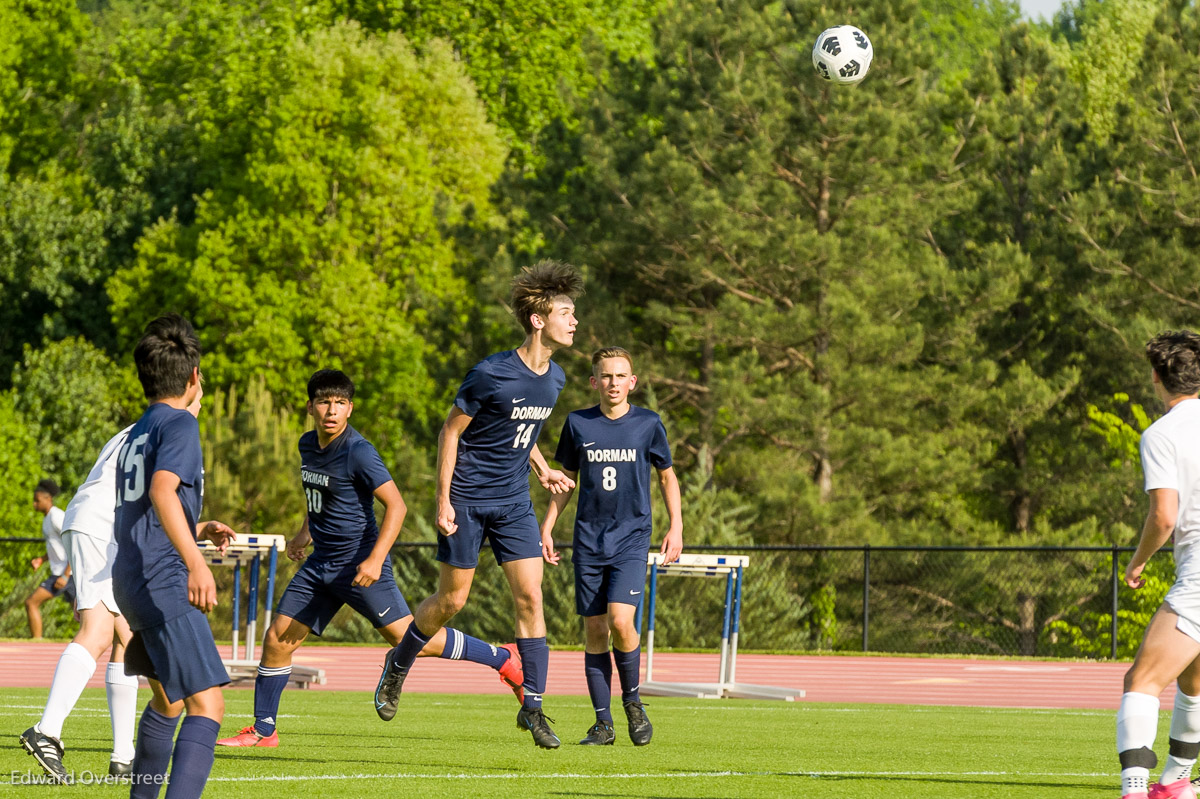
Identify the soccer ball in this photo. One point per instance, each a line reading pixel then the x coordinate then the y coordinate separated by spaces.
pixel 842 54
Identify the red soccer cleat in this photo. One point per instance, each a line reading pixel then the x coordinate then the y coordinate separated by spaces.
pixel 1180 789
pixel 511 673
pixel 248 736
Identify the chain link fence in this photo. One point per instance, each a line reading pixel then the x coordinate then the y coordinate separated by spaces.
pixel 1019 601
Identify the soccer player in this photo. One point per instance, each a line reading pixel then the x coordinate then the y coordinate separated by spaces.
pixel 342 475
pixel 485 450
pixel 1170 453
pixel 59 582
pixel 609 448
pixel 160 579
pixel 88 537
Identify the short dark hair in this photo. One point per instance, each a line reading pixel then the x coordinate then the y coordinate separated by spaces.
pixel 1175 357
pixel 611 352
pixel 534 290
pixel 166 356
pixel 326 383
pixel 48 487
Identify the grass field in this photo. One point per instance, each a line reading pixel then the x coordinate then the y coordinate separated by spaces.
pixel 448 746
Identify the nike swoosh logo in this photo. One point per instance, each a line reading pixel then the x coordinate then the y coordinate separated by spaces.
pixel 520 399
pixel 634 593
pixel 380 613
pixel 588 444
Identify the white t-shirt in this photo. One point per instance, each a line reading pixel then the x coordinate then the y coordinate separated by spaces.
pixel 1171 459
pixel 52 532
pixel 93 508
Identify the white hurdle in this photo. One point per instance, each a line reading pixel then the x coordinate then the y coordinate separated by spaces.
pixel 732 568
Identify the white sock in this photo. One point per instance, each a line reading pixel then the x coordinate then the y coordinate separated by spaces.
pixel 1137 724
pixel 1185 728
pixel 122 709
pixel 75 667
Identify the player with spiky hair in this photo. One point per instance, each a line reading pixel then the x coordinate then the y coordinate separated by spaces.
pixel 343 475
pixel 485 451
pixel 610 449
pixel 1170 650
pixel 160 579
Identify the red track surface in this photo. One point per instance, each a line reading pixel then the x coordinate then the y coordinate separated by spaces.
pixel 831 678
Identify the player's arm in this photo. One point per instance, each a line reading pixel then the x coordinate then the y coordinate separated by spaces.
pixel 455 425
pixel 202 589
pixel 299 543
pixel 558 503
pixel 672 543
pixel 394 511
pixel 552 480
pixel 1156 531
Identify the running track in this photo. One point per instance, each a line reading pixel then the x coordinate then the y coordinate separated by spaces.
pixel 826 678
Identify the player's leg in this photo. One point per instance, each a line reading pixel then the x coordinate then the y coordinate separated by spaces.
pixel 1165 653
pixel 306 606
pixel 454 586
pixel 1184 740
pixel 33 607
pixel 626 583
pixel 121 691
pixel 597 668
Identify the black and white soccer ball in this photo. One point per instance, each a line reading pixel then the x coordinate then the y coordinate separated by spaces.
pixel 842 54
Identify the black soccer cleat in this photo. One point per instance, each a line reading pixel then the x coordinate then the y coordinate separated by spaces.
pixel 601 734
pixel 640 729
pixel 120 771
pixel 48 752
pixel 534 720
pixel 387 693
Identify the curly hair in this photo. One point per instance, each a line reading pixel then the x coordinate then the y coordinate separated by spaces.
pixel 1175 358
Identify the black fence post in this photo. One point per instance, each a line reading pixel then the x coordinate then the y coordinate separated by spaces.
pixel 866 619
pixel 1116 586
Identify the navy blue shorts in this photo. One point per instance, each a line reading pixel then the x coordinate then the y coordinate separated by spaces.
pixel 597 585
pixel 67 592
pixel 180 653
pixel 319 589
pixel 512 530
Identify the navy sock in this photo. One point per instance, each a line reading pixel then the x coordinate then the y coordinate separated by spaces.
pixel 410 646
pixel 629 666
pixel 155 740
pixel 460 646
pixel 535 660
pixel 193 758
pixel 268 686
pixel 598 670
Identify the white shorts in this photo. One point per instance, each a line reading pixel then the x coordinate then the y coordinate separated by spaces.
pixel 1184 599
pixel 91 566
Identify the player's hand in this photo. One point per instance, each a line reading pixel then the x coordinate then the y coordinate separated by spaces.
pixel 36 563
pixel 1133 575
pixel 549 554
pixel 219 533
pixel 368 573
pixel 60 583
pixel 556 482
pixel 672 545
pixel 296 548
pixel 202 588
pixel 445 517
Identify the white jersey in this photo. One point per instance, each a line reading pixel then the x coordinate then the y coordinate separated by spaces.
pixel 52 532
pixel 93 508
pixel 1170 452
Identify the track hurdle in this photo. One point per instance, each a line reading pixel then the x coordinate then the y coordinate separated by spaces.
pixel 732 568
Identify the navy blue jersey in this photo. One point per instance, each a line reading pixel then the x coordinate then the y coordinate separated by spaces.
pixel 508 404
pixel 339 486
pixel 612 458
pixel 149 577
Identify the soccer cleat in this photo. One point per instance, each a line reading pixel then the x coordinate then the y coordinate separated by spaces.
pixel 48 752
pixel 534 720
pixel 511 673
pixel 248 736
pixel 119 770
pixel 601 734
pixel 387 693
pixel 1180 789
pixel 640 729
